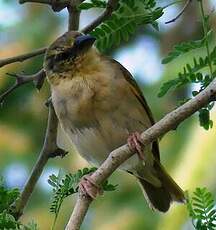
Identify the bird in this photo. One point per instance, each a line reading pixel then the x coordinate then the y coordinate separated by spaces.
pixel 100 107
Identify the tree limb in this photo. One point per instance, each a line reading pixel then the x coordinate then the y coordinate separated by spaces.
pixel 22 57
pixel 111 6
pixel 22 79
pixel 74 16
pixel 48 150
pixel 118 156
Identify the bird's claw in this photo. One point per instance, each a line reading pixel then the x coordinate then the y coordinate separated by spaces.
pixel 89 187
pixel 135 144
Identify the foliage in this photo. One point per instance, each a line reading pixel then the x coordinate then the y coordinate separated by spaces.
pixel 185 47
pixel 125 20
pixel 195 73
pixel 66 185
pixel 7 197
pixel 201 208
pixel 92 4
pixel 7 220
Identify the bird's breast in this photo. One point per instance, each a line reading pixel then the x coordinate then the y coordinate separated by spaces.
pixel 73 102
pixel 98 112
pixel 84 106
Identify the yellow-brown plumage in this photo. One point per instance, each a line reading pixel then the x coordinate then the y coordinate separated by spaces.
pixel 98 105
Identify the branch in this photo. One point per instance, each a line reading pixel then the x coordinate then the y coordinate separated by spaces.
pixel 111 6
pixel 118 156
pixel 74 15
pixel 48 150
pixel 22 79
pixel 181 12
pixel 22 57
pixel 58 5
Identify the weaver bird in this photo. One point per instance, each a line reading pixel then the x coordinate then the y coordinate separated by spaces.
pixel 100 107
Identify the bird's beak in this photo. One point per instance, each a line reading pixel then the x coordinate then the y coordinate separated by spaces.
pixel 84 42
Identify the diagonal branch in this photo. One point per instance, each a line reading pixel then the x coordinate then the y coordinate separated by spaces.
pixel 111 6
pixel 22 79
pixel 49 149
pixel 118 156
pixel 22 57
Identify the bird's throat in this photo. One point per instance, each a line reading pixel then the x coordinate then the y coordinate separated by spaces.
pixel 84 65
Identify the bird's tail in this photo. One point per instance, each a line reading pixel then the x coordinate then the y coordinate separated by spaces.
pixel 160 197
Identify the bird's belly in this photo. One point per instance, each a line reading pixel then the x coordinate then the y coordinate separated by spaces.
pixel 95 148
pixel 97 125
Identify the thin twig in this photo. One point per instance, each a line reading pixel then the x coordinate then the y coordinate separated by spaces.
pixel 111 6
pixel 181 12
pixel 49 149
pixel 22 57
pixel 22 79
pixel 118 156
pixel 39 80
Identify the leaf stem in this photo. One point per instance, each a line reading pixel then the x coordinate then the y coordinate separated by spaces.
pixel 54 222
pixel 205 30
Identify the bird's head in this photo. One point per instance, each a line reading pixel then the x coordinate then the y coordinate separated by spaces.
pixel 68 48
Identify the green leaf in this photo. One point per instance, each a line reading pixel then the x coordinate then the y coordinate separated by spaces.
pixel 7 221
pixel 192 74
pixel 7 197
pixel 204 118
pixel 108 187
pixel 201 209
pixel 155 25
pixel 124 22
pixel 85 6
pixel 67 185
pixel 171 84
pixel 185 47
pixel 92 4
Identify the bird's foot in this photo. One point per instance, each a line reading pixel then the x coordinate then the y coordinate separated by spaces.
pixel 89 187
pixel 135 144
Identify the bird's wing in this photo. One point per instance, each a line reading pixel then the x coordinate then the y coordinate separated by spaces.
pixel 137 92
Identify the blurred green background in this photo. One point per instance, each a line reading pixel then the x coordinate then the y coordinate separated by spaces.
pixel 188 153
